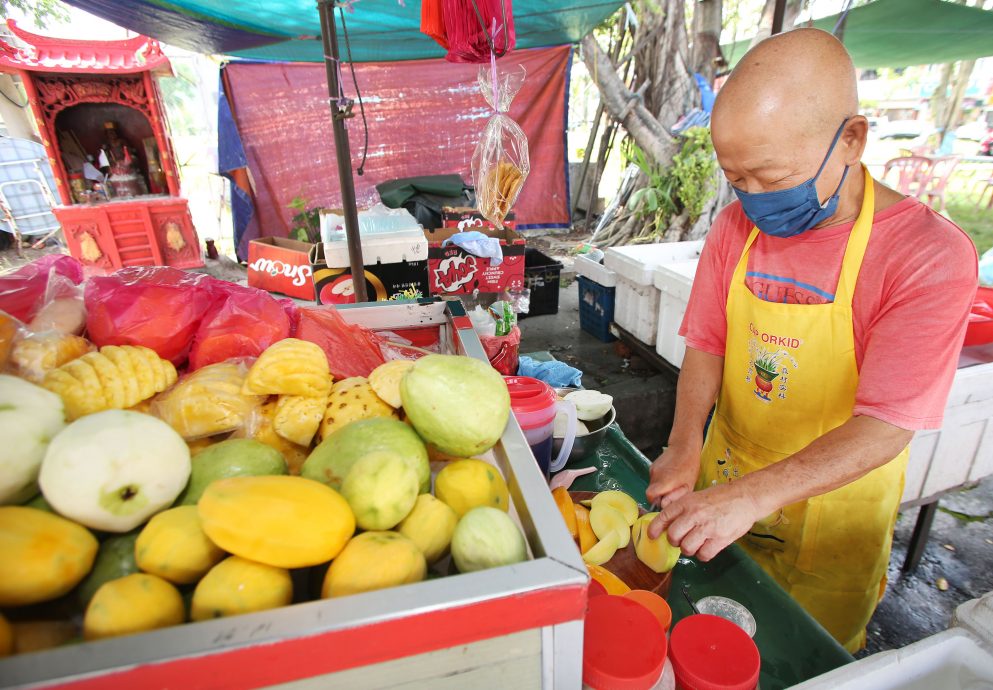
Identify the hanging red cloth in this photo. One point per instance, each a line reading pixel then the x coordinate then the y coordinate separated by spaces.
pixel 469 28
pixel 433 21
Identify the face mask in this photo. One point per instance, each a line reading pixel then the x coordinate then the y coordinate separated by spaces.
pixel 788 212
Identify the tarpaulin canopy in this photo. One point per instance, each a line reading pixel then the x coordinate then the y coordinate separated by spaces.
pixel 425 118
pixel 899 33
pixel 290 30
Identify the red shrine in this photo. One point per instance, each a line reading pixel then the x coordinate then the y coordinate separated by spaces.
pixel 102 122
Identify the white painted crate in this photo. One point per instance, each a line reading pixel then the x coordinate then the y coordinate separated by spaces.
pixel 636 304
pixel 674 283
pixel 962 450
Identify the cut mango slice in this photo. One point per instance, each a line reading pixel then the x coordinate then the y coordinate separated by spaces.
pixel 587 538
pixel 610 582
pixel 606 520
pixel 657 554
pixel 564 503
pixel 603 551
pixel 619 501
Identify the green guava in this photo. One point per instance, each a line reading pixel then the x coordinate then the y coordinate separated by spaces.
pixel 332 460
pixel 114 559
pixel 236 457
pixel 381 490
pixel 486 538
pixel 459 404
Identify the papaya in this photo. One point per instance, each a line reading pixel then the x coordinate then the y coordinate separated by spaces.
pixel 237 585
pixel 42 555
pixel 132 604
pixel 173 546
pixel 587 539
pixel 282 521
pixel 563 501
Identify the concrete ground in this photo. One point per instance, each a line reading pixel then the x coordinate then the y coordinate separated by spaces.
pixel 959 552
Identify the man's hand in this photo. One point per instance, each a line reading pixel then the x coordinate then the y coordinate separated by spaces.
pixel 673 474
pixel 703 523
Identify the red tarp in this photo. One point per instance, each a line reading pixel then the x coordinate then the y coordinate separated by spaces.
pixel 425 117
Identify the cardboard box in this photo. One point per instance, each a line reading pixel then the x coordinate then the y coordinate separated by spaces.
pixel 454 271
pixel 281 265
pixel 396 267
pixel 465 218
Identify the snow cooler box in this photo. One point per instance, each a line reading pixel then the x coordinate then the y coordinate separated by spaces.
pixel 396 267
pixel 521 624
pixel 597 287
pixel 636 306
pixel 541 277
pixel 674 282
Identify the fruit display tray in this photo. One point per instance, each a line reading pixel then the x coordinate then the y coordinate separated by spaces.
pixel 521 624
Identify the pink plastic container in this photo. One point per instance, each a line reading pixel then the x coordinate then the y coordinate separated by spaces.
pixel 535 405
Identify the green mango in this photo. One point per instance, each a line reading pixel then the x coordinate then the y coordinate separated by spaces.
pixel 39 503
pixel 236 457
pixel 114 559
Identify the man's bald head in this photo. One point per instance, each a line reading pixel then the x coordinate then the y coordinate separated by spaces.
pixel 775 117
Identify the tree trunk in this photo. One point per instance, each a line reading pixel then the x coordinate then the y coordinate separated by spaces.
pixel 939 98
pixel 793 8
pixel 707 15
pixel 953 110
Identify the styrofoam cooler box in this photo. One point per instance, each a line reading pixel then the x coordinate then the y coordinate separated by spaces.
pixel 636 307
pixel 674 283
pixel 595 271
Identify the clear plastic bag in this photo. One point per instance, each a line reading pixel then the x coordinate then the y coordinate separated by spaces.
pixel 500 163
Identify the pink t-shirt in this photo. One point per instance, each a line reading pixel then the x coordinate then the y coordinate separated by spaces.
pixel 911 302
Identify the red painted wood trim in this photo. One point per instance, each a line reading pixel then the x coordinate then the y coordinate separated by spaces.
pixel 462 322
pixel 48 139
pixel 306 657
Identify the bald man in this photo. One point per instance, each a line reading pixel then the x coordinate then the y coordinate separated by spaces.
pixel 825 320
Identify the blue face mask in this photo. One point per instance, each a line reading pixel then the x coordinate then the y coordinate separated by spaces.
pixel 788 212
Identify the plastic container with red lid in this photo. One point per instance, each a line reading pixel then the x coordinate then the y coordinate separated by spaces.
pixel 624 645
pixel 535 404
pixel 711 653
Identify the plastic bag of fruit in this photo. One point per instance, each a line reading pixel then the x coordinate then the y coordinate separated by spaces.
pixel 45 294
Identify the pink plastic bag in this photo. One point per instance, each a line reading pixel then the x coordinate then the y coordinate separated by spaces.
pixel 242 322
pixel 156 306
pixel 25 291
pixel 351 350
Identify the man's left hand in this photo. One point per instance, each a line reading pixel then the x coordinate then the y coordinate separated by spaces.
pixel 704 522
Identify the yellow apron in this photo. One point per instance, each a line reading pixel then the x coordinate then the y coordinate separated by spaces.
pixel 789 378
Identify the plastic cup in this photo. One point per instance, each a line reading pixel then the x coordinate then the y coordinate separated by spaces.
pixel 654 603
pixel 728 609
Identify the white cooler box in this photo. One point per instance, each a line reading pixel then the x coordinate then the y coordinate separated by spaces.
pixel 674 282
pixel 636 305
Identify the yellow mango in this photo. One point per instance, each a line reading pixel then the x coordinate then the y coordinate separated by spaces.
pixel 286 522
pixel 587 538
pixel 237 585
pixel 430 526
pixel 374 560
pixel 605 519
pixel 173 546
pixel 42 555
pixel 610 582
pixel 468 484
pixel 6 637
pixel 132 604
pixel 603 551
pixel 619 501
pixel 657 554
pixel 564 503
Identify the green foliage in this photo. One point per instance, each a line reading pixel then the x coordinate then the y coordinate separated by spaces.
pixel 41 11
pixel 686 185
pixel 306 222
pixel 181 99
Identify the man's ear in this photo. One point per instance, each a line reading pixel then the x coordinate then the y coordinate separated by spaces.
pixel 853 139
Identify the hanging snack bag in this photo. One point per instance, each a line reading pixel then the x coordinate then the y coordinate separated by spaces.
pixel 500 162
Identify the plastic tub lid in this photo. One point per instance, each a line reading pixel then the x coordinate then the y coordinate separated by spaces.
pixel 623 645
pixel 710 653
pixel 532 401
pixel 596 589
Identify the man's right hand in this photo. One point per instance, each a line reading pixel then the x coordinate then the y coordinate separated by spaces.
pixel 673 474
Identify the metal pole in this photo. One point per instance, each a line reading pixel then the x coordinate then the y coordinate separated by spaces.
pixel 778 15
pixel 341 148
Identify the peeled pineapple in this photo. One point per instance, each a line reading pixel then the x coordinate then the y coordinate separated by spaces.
pixel 116 377
pixel 260 427
pixel 207 402
pixel 385 380
pixel 290 367
pixel 297 418
pixel 33 357
pixel 351 400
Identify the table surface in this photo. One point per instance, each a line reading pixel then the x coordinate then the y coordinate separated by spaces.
pixel 794 647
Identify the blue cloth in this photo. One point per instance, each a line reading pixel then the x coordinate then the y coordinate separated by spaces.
pixel 230 157
pixel 478 244
pixel 555 373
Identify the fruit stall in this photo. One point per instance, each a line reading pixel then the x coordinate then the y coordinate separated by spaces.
pixel 188 511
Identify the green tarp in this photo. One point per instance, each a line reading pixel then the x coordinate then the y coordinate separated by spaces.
pixel 899 33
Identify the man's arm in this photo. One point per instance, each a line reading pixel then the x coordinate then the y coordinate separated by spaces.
pixel 705 522
pixel 675 472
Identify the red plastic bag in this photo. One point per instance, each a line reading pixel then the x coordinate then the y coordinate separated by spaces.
pixel 25 291
pixel 242 322
pixel 351 350
pixel 156 306
pixel 503 351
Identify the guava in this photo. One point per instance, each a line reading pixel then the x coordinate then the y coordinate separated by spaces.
pixel 487 538
pixel 235 457
pixel 30 417
pixel 459 404
pixel 331 461
pixel 381 490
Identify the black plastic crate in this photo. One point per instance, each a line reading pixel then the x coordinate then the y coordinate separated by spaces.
pixel 541 277
pixel 596 309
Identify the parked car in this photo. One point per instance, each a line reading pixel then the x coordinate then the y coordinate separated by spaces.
pixel 901 129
